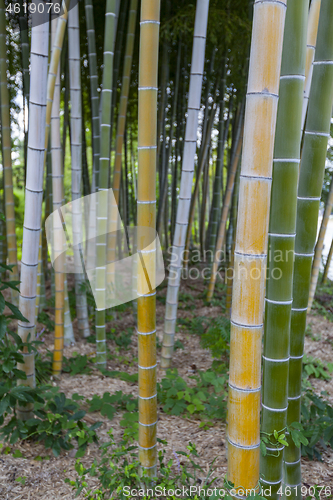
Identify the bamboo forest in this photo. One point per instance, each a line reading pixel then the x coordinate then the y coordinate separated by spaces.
pixel 166 243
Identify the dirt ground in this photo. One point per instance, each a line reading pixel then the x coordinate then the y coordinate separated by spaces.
pixel 45 479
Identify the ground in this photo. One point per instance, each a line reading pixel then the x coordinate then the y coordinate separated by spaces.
pixel 45 478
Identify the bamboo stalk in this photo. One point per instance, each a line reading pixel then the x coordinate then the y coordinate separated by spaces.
pixel 320 246
pixel 33 196
pixel 309 190
pixel 58 201
pixel 93 90
pixel 312 31
pixel 146 209
pixel 120 25
pixel 121 121
pixel 328 263
pixel 6 155
pixel 76 153
pixel 103 182
pixel 281 240
pixel 194 99
pixel 230 270
pixel 203 158
pixel 225 210
pixel 216 201
pixel 251 245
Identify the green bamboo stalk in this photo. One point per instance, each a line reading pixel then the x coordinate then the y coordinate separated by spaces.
pixel 320 246
pixel 281 239
pixel 233 223
pixel 6 154
pixel 121 121
pixel 117 57
pixel 25 72
pixel 76 153
pixel 309 190
pixel 93 90
pixel 216 201
pixel 183 209
pixel 164 192
pixel 33 197
pixel 243 433
pixel 69 338
pixel 146 302
pixel 327 264
pixel 103 182
pixel 312 31
pixel 25 52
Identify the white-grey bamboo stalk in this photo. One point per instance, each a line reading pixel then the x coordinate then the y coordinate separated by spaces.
pixel 194 100
pixel 76 153
pixel 33 195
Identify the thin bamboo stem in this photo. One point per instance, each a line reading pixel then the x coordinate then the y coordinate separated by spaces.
pixel 327 264
pixel 6 154
pixel 93 90
pixel 320 246
pixel 225 210
pixel 203 159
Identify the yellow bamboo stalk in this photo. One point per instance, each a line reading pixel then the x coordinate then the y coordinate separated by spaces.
pixel 146 210
pixel 6 154
pixel 320 246
pixel 224 216
pixel 54 65
pixel 58 201
pixel 313 21
pixel 251 244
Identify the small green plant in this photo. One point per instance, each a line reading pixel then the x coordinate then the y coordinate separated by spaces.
pixel 77 364
pixel 206 398
pixel 119 472
pixel 195 325
pixel 317 420
pixel 316 368
pixel 56 422
pixel 45 319
pixel 217 337
pixel 109 404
